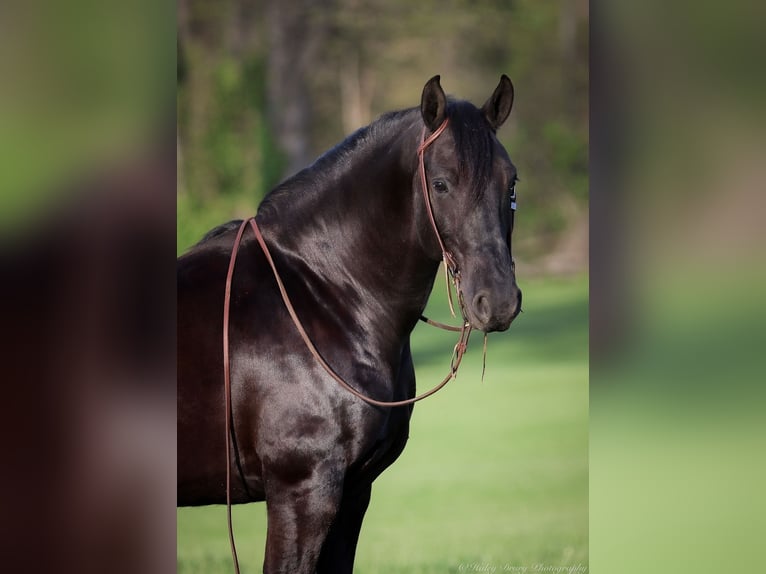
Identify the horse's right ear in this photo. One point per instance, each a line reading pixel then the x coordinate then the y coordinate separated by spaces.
pixel 498 106
pixel 433 104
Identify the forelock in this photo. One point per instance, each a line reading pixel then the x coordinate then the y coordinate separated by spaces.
pixel 473 143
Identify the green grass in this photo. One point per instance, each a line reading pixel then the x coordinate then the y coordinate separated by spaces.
pixel 495 474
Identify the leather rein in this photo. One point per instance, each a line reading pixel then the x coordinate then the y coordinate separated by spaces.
pixel 450 270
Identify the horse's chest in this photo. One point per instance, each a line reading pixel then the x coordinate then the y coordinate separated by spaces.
pixel 387 445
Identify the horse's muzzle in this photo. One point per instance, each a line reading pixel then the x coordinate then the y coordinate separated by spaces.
pixel 490 311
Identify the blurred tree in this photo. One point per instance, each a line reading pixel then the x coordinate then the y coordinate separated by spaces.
pixel 295 38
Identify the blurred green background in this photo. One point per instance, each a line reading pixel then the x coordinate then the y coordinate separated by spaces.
pixel 496 473
pixel 678 432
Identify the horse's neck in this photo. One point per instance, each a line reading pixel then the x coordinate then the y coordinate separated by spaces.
pixel 357 225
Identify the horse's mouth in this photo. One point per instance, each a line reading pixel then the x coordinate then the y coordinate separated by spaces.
pixel 492 327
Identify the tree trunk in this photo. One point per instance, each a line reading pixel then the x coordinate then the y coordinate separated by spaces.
pixel 293 43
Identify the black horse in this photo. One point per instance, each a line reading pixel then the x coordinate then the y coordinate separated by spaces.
pixel 351 238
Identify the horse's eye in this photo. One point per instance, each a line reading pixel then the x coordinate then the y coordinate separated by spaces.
pixel 439 186
pixel 512 191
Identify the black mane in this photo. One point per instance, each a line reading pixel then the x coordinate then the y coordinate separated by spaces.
pixel 220 230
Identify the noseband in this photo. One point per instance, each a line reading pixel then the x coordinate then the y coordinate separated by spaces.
pixel 450 270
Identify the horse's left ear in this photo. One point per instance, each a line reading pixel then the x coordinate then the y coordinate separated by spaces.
pixel 498 106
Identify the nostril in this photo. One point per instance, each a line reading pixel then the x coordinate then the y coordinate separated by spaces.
pixel 481 306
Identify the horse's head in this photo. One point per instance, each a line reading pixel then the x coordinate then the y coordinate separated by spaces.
pixel 471 183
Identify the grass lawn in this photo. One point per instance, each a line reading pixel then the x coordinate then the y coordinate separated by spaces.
pixel 495 474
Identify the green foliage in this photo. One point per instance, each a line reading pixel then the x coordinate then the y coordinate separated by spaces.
pixel 569 157
pixel 230 160
pixel 227 148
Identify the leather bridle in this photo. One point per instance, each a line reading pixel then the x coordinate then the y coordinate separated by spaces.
pixel 450 270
